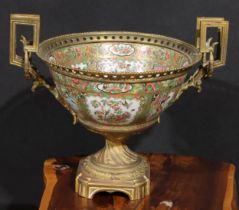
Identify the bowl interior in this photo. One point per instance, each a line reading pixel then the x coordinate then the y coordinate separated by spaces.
pixel 119 57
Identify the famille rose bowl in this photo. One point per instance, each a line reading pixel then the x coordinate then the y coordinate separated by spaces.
pixel 117 84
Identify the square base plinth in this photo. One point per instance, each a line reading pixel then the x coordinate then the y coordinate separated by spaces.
pixel 177 182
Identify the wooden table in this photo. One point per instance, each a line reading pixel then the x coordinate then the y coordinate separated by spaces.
pixel 177 183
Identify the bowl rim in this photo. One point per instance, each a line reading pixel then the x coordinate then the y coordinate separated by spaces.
pixel 72 39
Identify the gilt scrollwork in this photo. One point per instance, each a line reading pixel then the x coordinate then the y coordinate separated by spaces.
pixel 31 72
pixel 205 70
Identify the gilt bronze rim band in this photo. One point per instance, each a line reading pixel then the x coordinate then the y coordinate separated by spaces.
pixel 50 45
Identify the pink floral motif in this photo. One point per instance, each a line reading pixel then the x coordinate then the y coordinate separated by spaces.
pixel 159 68
pixel 122 49
pixel 150 85
pixel 107 57
pixel 159 103
pixel 167 99
pixel 145 51
pixel 114 87
pixel 109 65
pixel 78 51
pixel 59 55
pixel 76 81
pixel 112 110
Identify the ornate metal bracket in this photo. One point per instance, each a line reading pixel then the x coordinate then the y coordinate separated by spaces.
pixel 203 23
pixel 30 71
pixel 207 48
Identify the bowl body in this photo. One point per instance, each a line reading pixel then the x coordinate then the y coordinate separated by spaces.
pixel 117 106
pixel 118 81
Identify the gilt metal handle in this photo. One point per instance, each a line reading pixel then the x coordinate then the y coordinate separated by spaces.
pixel 206 47
pixel 31 71
pixel 203 23
pixel 23 19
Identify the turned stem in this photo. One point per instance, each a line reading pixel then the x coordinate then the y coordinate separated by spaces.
pixel 121 139
pixel 116 153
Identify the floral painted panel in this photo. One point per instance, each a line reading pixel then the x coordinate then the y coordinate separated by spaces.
pixel 160 103
pixel 114 87
pixel 122 49
pixel 121 66
pixel 119 57
pixel 117 103
pixel 112 110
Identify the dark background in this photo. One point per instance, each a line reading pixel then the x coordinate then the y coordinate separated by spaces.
pixel 34 127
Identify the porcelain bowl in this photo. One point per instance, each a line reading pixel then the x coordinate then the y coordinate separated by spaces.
pixel 118 81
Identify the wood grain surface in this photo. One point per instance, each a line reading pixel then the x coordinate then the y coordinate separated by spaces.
pixel 177 183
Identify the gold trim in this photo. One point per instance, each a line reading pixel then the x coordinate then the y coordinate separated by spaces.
pixel 203 23
pixel 50 45
pixel 30 71
pixel 113 168
pixel 23 19
pixel 207 49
